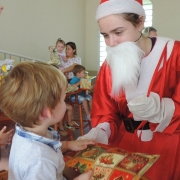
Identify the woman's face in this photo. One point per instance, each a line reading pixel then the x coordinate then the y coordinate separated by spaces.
pixel 116 30
pixel 1 8
pixel 69 51
pixel 152 34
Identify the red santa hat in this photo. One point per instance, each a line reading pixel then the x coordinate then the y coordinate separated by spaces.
pixel 109 7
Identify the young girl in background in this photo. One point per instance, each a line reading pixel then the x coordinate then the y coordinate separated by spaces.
pixel 60 45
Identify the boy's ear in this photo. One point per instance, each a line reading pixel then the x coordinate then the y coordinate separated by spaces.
pixel 45 114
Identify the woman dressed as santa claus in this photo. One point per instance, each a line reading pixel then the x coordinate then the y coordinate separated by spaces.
pixel 136 103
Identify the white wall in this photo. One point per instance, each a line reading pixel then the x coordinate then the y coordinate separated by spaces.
pixel 92 36
pixel 28 27
pixel 166 18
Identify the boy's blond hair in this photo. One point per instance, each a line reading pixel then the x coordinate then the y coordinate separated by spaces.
pixel 28 89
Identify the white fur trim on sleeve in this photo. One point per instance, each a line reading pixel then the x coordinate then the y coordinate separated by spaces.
pixel 96 134
pixel 106 127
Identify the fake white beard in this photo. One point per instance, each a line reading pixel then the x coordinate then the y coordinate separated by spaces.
pixel 124 61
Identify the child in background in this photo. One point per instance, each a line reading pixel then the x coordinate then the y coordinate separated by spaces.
pixel 79 72
pixel 61 129
pixel 36 151
pixel 70 123
pixel 60 45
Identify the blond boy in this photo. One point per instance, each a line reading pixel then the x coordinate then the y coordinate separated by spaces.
pixel 32 94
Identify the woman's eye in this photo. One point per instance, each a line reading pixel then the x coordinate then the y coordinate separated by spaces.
pixel 105 36
pixel 118 33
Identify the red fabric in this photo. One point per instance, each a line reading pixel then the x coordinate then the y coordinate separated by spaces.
pixel 140 1
pixel 167 143
pixel 102 1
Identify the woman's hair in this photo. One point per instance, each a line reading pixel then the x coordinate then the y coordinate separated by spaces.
pixel 78 69
pixel 73 46
pixel 28 89
pixel 60 41
pixel 131 17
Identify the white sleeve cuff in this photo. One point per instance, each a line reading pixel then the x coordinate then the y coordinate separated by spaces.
pixel 100 133
pixel 166 114
pixel 106 127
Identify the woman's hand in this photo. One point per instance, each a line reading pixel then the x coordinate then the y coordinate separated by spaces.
pixel 5 137
pixel 85 176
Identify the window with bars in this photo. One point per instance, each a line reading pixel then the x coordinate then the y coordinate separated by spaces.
pixel 147 5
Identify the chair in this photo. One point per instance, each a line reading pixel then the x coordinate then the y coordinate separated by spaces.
pixel 3 117
pixel 4 175
pixel 81 120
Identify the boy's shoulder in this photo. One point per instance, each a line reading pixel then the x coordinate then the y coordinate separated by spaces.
pixel 26 152
pixel 74 80
pixel 28 155
pixel 30 148
pixel 75 77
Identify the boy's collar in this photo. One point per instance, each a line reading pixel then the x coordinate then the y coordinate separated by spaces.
pixel 53 141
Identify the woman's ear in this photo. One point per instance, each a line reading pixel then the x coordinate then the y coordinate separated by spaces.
pixel 45 114
pixel 141 23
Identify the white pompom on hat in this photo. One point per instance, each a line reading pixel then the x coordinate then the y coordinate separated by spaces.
pixel 110 7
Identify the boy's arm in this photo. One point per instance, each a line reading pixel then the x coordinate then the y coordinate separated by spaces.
pixel 74 81
pixel 76 145
pixel 76 84
pixel 69 69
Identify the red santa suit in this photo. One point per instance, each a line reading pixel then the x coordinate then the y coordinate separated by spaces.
pixel 159 75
